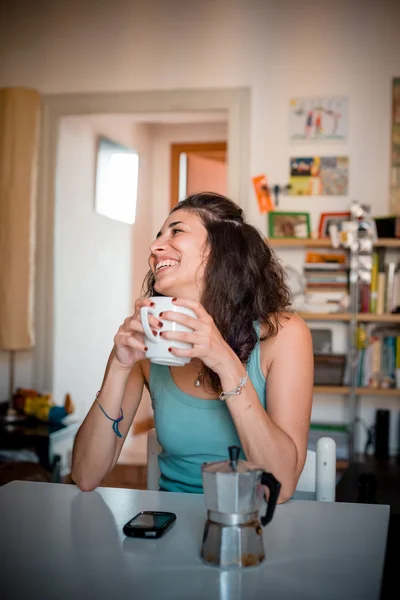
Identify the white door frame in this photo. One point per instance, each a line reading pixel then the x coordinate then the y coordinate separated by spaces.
pixel 236 103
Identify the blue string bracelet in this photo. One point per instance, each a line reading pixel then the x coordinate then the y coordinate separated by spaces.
pixel 115 421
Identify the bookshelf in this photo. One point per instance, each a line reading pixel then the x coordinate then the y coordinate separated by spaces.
pixel 353 319
pixel 361 391
pixel 323 243
pixel 360 317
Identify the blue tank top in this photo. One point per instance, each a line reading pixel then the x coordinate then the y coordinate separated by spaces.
pixel 192 431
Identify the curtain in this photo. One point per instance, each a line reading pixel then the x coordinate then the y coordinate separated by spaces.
pixel 19 136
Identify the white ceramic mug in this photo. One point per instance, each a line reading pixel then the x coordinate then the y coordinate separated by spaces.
pixel 157 346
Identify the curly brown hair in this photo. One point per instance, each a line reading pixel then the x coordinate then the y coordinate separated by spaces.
pixel 243 280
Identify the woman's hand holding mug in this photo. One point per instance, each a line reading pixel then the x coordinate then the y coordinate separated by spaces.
pixel 158 346
pixel 129 342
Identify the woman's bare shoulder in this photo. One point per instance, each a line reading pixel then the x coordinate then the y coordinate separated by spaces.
pixel 292 329
pixel 289 324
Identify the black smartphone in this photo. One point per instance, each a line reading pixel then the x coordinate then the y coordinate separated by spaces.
pixel 149 524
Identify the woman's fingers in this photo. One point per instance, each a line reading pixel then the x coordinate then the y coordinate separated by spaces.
pixel 143 302
pixel 195 306
pixel 185 352
pixel 181 318
pixel 126 339
pixel 181 336
pixel 135 324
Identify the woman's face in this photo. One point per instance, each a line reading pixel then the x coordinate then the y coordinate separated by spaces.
pixel 178 255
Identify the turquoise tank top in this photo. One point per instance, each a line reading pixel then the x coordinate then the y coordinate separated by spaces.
pixel 192 431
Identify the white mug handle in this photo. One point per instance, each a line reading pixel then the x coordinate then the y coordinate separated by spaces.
pixel 144 317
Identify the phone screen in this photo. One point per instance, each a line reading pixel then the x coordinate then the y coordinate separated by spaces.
pixel 147 521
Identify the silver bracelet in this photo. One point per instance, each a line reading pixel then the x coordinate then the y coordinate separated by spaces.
pixel 224 395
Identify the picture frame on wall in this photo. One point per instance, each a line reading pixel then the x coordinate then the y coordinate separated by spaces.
pixel 329 218
pixel 289 225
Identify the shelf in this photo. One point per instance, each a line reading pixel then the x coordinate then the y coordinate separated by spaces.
pixel 362 391
pixel 324 243
pixel 331 389
pixel 371 318
pixel 324 316
pixel 298 243
pixel 388 243
pixel 360 317
pixel 394 393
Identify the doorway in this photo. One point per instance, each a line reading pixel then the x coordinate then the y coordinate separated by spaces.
pixel 197 167
pixel 235 102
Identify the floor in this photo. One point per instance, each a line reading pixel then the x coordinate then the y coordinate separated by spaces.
pixel 126 476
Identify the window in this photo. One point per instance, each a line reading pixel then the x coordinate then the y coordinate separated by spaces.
pixel 117 172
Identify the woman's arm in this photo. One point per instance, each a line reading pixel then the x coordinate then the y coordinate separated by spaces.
pixel 277 439
pixel 97 447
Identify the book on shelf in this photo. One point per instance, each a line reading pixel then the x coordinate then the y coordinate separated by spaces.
pixel 325 272
pixel 325 300
pixel 326 258
pixel 378 357
pixel 382 295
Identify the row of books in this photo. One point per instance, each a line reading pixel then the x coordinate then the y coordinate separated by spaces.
pixel 326 281
pixel 382 296
pixel 379 357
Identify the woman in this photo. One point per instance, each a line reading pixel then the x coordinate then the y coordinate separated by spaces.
pixel 212 262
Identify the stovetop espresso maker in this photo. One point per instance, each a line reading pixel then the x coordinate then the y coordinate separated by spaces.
pixel 233 491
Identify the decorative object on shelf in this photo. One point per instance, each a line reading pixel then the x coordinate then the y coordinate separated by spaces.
pixel 329 218
pixel 265 203
pixel 318 118
pixel 395 149
pixel 289 225
pixel 319 176
pixel 19 142
pixel 30 403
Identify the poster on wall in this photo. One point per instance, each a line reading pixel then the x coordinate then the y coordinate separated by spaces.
pixel 319 176
pixel 395 153
pixel 318 119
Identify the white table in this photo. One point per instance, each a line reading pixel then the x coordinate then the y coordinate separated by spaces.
pixel 59 543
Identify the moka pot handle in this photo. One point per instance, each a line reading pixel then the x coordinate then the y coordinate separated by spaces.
pixel 274 488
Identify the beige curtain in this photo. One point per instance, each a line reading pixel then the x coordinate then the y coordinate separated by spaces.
pixel 19 135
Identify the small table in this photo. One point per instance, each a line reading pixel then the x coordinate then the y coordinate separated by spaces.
pixel 46 439
pixel 59 542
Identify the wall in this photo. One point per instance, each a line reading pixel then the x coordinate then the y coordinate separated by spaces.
pixel 278 49
pixel 93 261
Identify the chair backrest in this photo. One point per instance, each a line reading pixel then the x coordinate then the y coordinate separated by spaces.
pixel 153 470
pixel 305 489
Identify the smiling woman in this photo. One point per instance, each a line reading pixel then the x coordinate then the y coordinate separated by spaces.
pixel 243 344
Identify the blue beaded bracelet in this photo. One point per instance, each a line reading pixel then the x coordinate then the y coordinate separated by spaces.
pixel 115 421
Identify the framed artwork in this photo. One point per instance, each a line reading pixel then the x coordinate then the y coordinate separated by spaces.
pixel 318 118
pixel 319 176
pixel 327 219
pixel 289 225
pixel 117 170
